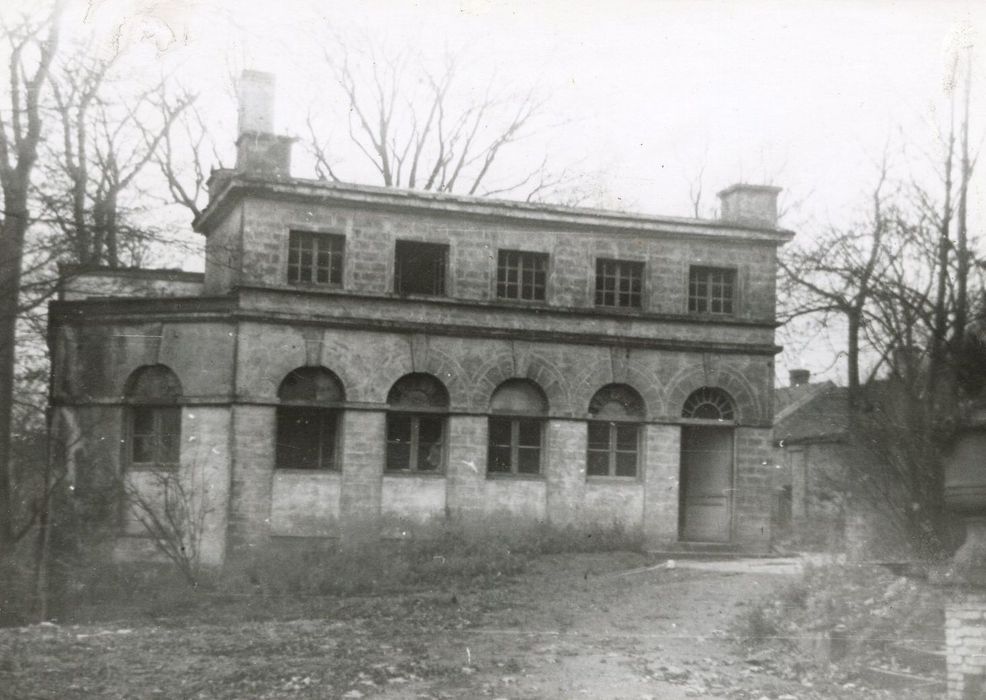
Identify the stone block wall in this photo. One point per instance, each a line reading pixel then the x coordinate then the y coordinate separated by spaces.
pixel 473 245
pixel 965 640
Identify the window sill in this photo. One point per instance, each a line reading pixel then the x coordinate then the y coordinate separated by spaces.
pixel 620 309
pixel 146 467
pixel 496 476
pixel 407 473
pixel 599 479
pixel 316 285
pixel 307 472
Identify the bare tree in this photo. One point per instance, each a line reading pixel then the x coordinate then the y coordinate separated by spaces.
pixel 900 284
pixel 30 47
pixel 417 127
pixel 107 140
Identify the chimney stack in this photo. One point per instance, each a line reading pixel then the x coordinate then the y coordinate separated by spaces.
pixel 751 205
pixel 259 151
pixel 799 377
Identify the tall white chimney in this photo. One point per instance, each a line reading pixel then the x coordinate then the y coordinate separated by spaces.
pixel 259 151
pixel 255 93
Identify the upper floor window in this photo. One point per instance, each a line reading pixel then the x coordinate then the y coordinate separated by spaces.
pixel 419 268
pixel 417 406
pixel 315 258
pixel 521 275
pixel 516 428
pixel 308 420
pixel 616 412
pixel 619 283
pixel 154 436
pixel 711 290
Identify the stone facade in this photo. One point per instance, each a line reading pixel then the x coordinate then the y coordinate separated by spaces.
pixel 965 639
pixel 231 347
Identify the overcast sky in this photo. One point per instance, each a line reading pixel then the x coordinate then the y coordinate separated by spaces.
pixel 802 94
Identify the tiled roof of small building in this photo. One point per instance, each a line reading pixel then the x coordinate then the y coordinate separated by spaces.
pixel 811 413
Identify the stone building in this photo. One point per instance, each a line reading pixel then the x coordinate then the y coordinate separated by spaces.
pixel 362 361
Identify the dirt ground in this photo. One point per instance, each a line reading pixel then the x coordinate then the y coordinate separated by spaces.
pixel 594 626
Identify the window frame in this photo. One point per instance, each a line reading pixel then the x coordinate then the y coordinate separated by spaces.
pixel 623 270
pixel 335 272
pixel 708 298
pixel 328 460
pixel 613 450
pixel 414 443
pixel 157 412
pixel 537 261
pixel 440 278
pixel 513 468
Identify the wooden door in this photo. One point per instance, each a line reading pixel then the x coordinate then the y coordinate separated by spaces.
pixel 706 484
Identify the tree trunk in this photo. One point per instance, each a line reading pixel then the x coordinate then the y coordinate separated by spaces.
pixel 12 230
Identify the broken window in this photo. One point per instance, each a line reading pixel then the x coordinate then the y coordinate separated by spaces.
pixel 419 268
pixel 711 290
pixel 516 430
pixel 154 433
pixel 308 419
pixel 521 275
pixel 315 258
pixel 416 424
pixel 616 412
pixel 619 283
pixel 709 403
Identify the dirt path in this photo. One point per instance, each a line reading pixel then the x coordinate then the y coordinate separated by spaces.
pixel 593 626
pixel 587 629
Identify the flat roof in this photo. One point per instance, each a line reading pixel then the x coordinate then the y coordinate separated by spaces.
pixel 553 216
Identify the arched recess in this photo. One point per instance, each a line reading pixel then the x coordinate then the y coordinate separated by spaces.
pixel 417 412
pixel 709 403
pixel 748 409
pixel 616 413
pixel 153 418
pixel 308 416
pixel 518 410
pixel 502 367
pixel 706 483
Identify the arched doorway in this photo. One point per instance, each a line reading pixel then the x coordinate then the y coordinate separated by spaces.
pixel 706 484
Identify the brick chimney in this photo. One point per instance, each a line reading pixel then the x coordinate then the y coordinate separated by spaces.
pixel 799 377
pixel 259 151
pixel 752 205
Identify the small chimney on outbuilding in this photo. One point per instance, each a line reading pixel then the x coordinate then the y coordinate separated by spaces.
pixel 259 151
pixel 799 377
pixel 751 205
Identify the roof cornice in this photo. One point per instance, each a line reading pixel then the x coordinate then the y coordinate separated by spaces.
pixel 538 215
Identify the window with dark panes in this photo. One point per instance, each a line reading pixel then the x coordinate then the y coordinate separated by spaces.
pixel 516 430
pixel 315 258
pixel 416 424
pixel 154 430
pixel 308 419
pixel 616 412
pixel 619 283
pixel 711 290
pixel 419 268
pixel 521 275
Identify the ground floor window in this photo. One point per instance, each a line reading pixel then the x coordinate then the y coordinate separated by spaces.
pixel 155 436
pixel 613 449
pixel 515 446
pixel 306 438
pixel 414 442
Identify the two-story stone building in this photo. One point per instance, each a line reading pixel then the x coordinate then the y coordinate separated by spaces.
pixel 361 360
